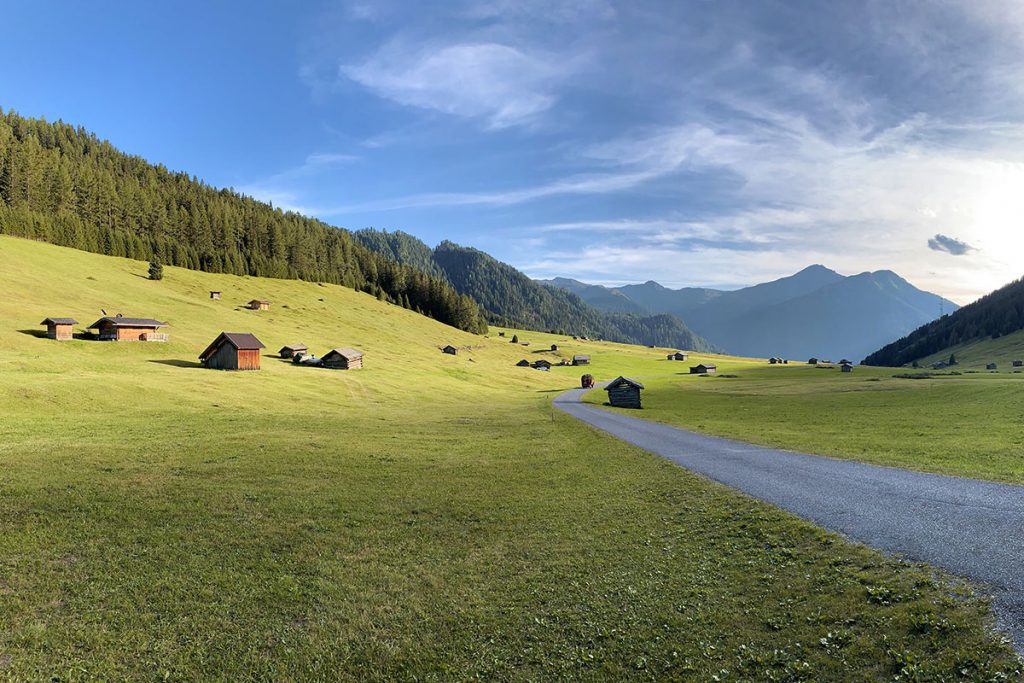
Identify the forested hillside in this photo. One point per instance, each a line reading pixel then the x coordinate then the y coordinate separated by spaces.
pixel 510 298
pixel 62 184
pixel 993 316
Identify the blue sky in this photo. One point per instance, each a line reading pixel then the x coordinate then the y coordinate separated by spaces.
pixel 694 143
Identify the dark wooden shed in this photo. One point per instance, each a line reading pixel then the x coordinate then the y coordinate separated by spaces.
pixel 451 350
pixel 59 328
pixel 1018 363
pixel 545 364
pixel 846 367
pixel 120 328
pixel 343 359
pixel 293 350
pixel 233 351
pixel 704 369
pixel 812 361
pixel 259 305
pixel 554 347
pixel 624 392
pixel 991 366
pixel 523 363
pixel 581 360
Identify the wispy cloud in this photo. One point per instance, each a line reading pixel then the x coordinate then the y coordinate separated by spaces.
pixel 950 245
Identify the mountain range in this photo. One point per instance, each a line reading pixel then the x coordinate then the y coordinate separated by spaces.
pixel 816 312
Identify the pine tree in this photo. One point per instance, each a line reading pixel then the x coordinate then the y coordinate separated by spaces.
pixel 156 270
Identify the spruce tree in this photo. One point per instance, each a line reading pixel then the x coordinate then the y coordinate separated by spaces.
pixel 156 270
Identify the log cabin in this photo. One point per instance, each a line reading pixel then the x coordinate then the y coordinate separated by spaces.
pixel 624 392
pixel 120 328
pixel 1018 363
pixel 523 364
pixel 59 328
pixel 343 359
pixel 451 350
pixel 846 367
pixel 678 355
pixel 581 360
pixel 293 350
pixel 259 305
pixel 233 351
pixel 704 369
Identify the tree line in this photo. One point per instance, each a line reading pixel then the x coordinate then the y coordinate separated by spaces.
pixel 993 315
pixel 61 184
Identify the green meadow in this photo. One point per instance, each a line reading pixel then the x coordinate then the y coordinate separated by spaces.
pixel 429 517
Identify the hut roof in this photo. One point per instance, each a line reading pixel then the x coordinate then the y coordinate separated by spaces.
pixel 581 357
pixel 523 362
pixel 59 321
pixel 294 347
pixel 121 321
pixel 619 381
pixel 707 365
pixel 259 301
pixel 243 341
pixel 845 362
pixel 347 353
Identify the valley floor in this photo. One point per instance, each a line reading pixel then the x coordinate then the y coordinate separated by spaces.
pixel 427 517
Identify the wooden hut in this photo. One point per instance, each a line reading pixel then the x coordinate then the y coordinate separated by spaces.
pixel 451 350
pixel 120 328
pixel 542 364
pixel 233 351
pixel 678 355
pixel 846 367
pixel 59 328
pixel 293 350
pixel 523 364
pixel 624 392
pixel 215 295
pixel 587 381
pixel 704 369
pixel 343 359
pixel 991 366
pixel 1018 363
pixel 581 360
pixel 773 361
pixel 812 361
pixel 845 360
pixel 554 347
pixel 259 305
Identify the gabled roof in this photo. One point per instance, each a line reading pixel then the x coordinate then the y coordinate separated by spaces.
pixel 294 347
pixel 259 301
pixel 581 357
pixel 347 353
pixel 243 341
pixel 121 321
pixel 619 381
pixel 59 321
pixel 706 365
pixel 845 362
pixel 542 361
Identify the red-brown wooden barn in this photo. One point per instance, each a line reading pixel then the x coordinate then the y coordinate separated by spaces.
pixel 120 328
pixel 59 328
pixel 233 351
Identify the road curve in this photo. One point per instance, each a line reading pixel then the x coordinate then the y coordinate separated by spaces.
pixel 968 527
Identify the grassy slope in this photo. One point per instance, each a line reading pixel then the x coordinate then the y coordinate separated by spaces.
pixel 966 425
pixel 428 516
pixel 980 352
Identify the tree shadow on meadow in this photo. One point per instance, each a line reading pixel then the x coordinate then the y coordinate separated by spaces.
pixel 175 363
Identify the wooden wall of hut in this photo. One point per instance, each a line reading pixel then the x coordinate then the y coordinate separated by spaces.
pixel 227 357
pixel 624 396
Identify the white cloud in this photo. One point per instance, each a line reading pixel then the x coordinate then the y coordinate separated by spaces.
pixel 498 84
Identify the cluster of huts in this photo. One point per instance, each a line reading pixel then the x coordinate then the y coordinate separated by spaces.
pixel 345 358
pixel 544 364
pixel 778 361
pixel 844 365
pixel 109 328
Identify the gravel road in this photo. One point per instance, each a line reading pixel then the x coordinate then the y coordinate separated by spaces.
pixel 968 527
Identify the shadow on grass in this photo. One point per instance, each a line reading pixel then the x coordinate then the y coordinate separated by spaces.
pixel 41 334
pixel 178 363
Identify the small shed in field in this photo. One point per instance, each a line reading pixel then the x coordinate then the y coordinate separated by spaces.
pixel 581 360
pixel 846 367
pixel 523 364
pixel 343 359
pixel 501 334
pixel 542 364
pixel 704 369
pixel 233 351
pixel 451 350
pixel 624 392
pixel 1018 363
pixel 678 355
pixel 259 305
pixel 59 328
pixel 293 350
pixel 215 295
pixel 554 347
pixel 991 366
pixel 120 328
pixel 773 361
pixel 812 361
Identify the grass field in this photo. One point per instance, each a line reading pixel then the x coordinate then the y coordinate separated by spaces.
pixel 429 517
pixel 965 425
pixel 978 353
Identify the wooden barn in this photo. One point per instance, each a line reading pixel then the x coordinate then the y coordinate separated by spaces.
pixel 542 364
pixel 293 350
pixel 587 381
pixel 812 361
pixel 59 328
pixel 450 350
pixel 259 305
pixel 704 369
pixel 215 295
pixel 991 366
pixel 774 361
pixel 581 360
pixel 120 328
pixel 343 359
pixel 846 367
pixel 624 392
pixel 678 355
pixel 523 364
pixel 554 347
pixel 233 351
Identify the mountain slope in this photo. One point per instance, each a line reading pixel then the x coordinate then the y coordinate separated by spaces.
pixel 993 316
pixel 654 298
pixel 601 298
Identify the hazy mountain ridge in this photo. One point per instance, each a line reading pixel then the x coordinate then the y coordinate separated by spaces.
pixel 815 312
